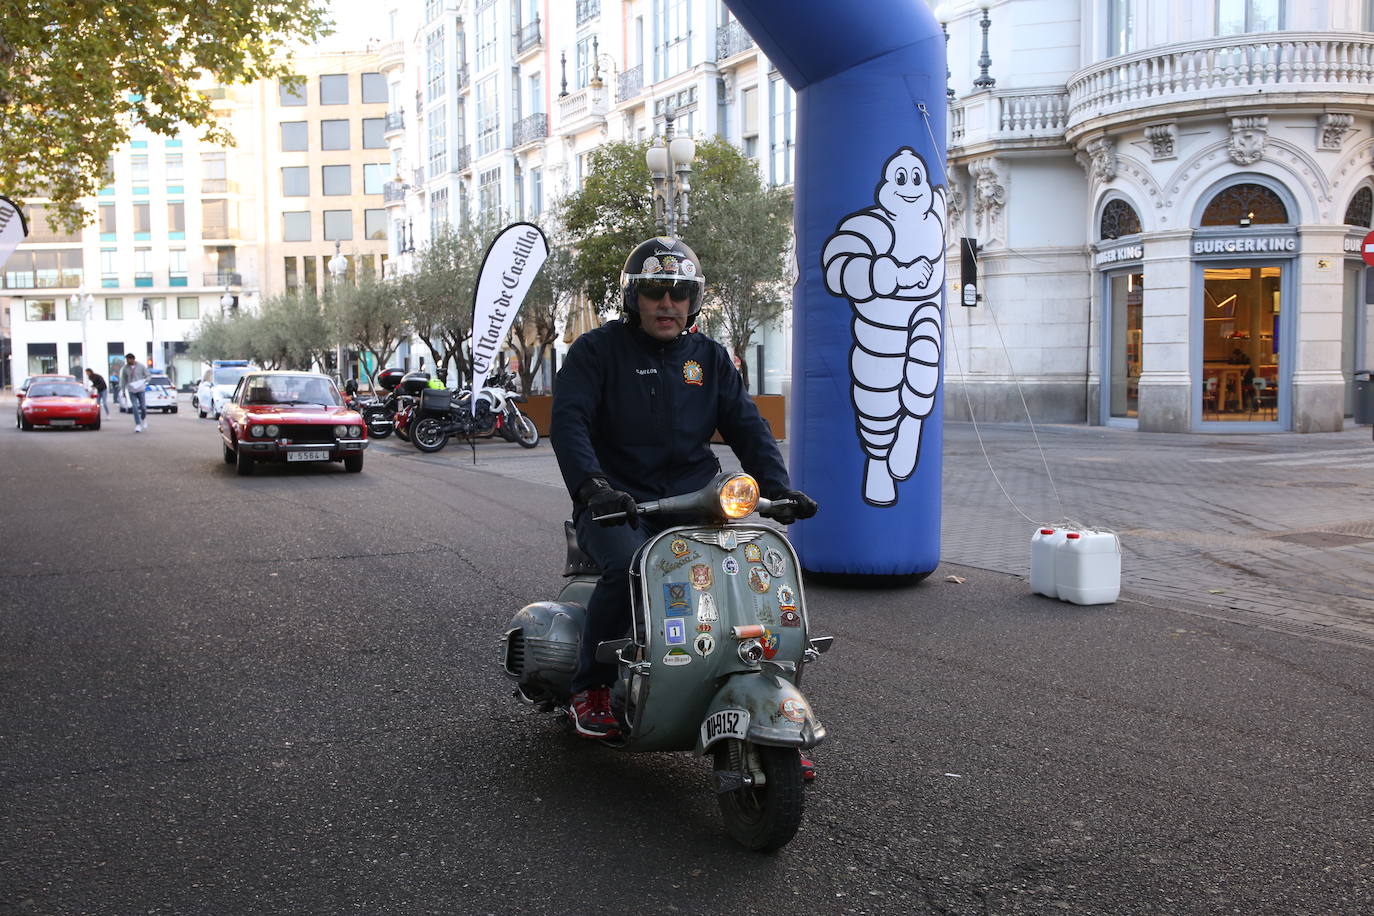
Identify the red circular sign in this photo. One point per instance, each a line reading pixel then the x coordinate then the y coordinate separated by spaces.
pixel 1367 249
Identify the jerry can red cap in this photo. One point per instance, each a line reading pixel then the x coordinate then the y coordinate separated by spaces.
pixel 1047 531
pixel 1073 534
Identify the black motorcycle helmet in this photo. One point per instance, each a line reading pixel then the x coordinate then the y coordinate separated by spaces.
pixel 662 259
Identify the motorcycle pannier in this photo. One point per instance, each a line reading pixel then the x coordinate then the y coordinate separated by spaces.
pixel 389 378
pixel 436 399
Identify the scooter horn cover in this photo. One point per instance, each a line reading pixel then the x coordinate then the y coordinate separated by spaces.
pixel 868 307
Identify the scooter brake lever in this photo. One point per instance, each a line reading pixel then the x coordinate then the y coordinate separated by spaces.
pixel 782 667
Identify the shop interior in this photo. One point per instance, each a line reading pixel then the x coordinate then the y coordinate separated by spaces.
pixel 1240 343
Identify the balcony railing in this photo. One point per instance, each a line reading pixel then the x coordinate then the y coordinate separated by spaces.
pixel 527 36
pixel 460 78
pixel 1010 117
pixel 629 84
pixel 395 120
pixel 462 158
pixel 393 191
pixel 1253 66
pixel 582 109
pixel 731 40
pixel 223 278
pixel 530 128
pixel 417 177
pixel 587 9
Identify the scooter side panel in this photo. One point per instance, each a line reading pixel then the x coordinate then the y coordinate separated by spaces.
pixel 778 713
pixel 696 584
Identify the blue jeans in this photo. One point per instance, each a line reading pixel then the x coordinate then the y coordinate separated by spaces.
pixel 100 399
pixel 138 406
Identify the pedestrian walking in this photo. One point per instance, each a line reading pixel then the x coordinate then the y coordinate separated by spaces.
pixel 133 378
pixel 98 383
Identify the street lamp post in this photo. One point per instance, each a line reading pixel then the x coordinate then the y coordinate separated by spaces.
pixel 81 302
pixel 984 81
pixel 152 328
pixel 670 166
pixel 338 266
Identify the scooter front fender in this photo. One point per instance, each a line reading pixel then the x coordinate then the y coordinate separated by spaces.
pixel 778 713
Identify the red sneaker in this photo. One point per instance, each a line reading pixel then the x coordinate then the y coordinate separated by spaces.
pixel 808 768
pixel 590 712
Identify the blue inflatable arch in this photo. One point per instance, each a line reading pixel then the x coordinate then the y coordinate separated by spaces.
pixel 868 309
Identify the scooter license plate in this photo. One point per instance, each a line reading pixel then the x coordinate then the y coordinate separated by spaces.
pixel 728 723
pixel 310 455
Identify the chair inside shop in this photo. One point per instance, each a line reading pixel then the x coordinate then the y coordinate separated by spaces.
pixel 1266 397
pixel 1210 395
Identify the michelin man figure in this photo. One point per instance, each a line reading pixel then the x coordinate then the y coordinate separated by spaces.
pixel 889 262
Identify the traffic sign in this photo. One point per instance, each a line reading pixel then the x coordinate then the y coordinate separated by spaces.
pixel 1367 249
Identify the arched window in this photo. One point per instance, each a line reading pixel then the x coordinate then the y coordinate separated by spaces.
pixel 1245 205
pixel 1119 218
pixel 1361 205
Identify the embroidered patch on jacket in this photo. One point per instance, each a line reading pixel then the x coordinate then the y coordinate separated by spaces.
pixel 691 371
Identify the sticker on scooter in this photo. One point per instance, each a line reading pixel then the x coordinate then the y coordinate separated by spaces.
pixel 706 608
pixel 727 540
pixel 758 579
pixel 675 631
pixel 705 644
pixel 769 643
pixel 773 562
pixel 678 546
pixel 793 709
pixel 677 657
pixel 675 599
pixel 753 553
pixel 787 599
pixel 727 723
pixel 730 565
pixel 701 577
pixel 790 617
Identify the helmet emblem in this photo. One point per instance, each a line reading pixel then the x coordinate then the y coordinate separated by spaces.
pixel 689 269
pixel 669 263
pixel 651 266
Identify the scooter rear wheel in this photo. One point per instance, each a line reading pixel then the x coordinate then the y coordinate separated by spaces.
pixel 766 817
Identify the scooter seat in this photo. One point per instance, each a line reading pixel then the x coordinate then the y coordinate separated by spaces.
pixel 578 564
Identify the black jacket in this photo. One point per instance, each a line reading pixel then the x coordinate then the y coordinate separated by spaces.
pixel 641 414
pixel 97 381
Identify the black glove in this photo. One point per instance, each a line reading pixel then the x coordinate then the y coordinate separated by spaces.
pixel 801 506
pixel 601 499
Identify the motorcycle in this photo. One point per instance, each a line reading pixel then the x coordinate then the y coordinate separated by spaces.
pixel 380 414
pixel 714 661
pixel 444 413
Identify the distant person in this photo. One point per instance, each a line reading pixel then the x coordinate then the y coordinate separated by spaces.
pixel 1238 357
pixel 133 378
pixel 1247 383
pixel 98 383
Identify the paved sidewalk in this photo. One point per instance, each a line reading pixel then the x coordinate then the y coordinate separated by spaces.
pixel 1276 530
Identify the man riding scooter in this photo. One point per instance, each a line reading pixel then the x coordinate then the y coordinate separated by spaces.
pixel 634 410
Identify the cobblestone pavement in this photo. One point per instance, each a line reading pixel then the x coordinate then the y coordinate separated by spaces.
pixel 1276 530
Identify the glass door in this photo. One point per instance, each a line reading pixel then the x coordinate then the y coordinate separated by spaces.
pixel 1240 343
pixel 1127 297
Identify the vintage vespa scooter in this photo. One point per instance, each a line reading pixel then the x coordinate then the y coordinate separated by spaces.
pixel 714 663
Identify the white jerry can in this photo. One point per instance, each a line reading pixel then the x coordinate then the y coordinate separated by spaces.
pixel 1043 545
pixel 1087 567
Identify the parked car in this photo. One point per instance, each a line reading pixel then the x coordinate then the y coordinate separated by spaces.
pixel 60 402
pixel 159 395
pixel 290 417
pixel 217 386
pixel 49 376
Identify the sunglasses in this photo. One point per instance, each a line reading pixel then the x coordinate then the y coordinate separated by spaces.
pixel 680 290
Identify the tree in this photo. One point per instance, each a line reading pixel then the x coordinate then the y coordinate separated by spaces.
pixel 220 337
pixel 438 293
pixel 369 317
pixel 75 75
pixel 292 332
pixel 739 228
pixel 545 309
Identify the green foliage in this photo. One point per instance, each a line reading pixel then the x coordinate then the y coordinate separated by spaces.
pixel 739 227
pixel 290 332
pixel 369 316
pixel 437 294
pixel 76 74
pixel 545 308
pixel 221 337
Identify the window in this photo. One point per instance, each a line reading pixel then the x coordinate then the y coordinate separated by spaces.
pixel 749 121
pixel 42 228
pixel 334 134
pixel 334 89
pixel 138 169
pixel 174 168
pixel 1120 27
pixel 295 136
pixel 672 37
pixel 1359 211
pixel 293 280
pixel 438 142
pixel 1118 219
pixel 535 94
pixel 176 266
pixel 484 39
pixel 432 9
pixel 188 307
pixel 176 218
pixel 374 88
pixel 295 226
pixel 781 103
pixel 438 211
pixel 374 176
pixel 41 309
pixel 338 180
pixel 212 171
pixel 536 191
pixel 109 267
pixel 374 224
pixel 489 194
pixel 582 73
pixel 338 225
pixel 291 92
pixel 434 63
pixel 143 267
pixel 114 309
pixel 374 133
pixel 1236 17
pixel 143 221
pixel 214 219
pixel 109 224
pixel 295 181
pixel 1245 205
pixel 488 116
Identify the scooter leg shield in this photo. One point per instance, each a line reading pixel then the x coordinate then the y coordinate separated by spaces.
pixel 778 714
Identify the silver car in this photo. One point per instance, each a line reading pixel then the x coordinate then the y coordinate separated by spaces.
pixel 217 386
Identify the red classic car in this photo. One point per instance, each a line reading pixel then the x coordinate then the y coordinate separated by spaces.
pixel 290 417
pixel 58 401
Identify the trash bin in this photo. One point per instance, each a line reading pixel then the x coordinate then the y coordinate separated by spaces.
pixel 1364 397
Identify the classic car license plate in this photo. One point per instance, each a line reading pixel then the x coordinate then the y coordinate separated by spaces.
pixel 310 455
pixel 63 422
pixel 728 723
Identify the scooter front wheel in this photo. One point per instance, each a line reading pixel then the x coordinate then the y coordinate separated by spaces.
pixel 766 816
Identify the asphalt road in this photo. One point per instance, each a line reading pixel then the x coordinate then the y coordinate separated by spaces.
pixel 282 694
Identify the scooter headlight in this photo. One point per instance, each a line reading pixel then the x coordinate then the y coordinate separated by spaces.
pixel 738 496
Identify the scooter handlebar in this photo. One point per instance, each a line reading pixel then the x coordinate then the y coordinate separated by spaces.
pixel 687 503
